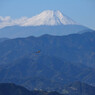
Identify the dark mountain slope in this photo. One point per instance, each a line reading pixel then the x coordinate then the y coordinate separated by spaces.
pixel 76 88
pixel 12 89
pixel 44 72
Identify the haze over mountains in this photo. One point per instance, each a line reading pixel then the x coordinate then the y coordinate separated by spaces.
pixel 47 22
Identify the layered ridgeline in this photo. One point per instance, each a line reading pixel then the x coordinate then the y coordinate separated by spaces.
pixel 48 62
pixel 47 22
pixel 76 88
pixel 76 48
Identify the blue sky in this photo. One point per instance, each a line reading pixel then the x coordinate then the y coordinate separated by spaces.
pixel 82 11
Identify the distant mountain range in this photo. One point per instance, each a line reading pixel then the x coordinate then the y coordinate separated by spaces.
pixel 47 22
pixel 76 88
pixel 59 30
pixel 3 39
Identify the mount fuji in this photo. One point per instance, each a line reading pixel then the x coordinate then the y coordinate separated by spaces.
pixel 49 17
pixel 47 22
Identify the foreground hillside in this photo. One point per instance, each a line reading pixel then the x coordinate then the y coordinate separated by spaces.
pixel 12 89
pixel 76 88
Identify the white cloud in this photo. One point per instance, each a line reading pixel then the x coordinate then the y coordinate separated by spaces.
pixel 7 18
pixel 8 21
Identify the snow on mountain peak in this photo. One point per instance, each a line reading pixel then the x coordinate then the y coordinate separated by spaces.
pixel 49 17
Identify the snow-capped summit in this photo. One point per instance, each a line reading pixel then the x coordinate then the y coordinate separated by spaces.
pixel 49 17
